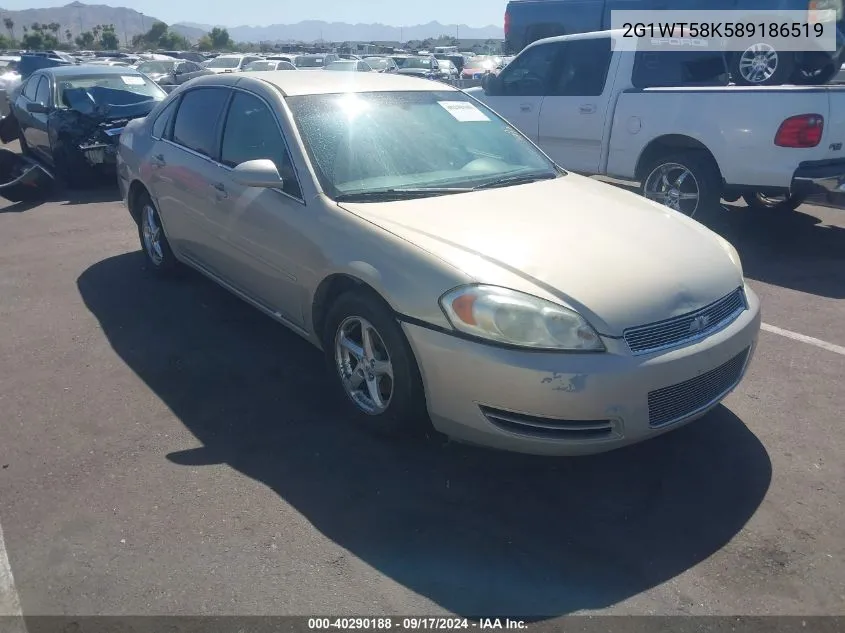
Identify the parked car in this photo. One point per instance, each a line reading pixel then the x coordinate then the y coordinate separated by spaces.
pixel 346 65
pixel 192 56
pixel 477 67
pixel 230 63
pixel 382 64
pixel 582 319
pixel 448 70
pixel 669 120
pixel 169 73
pixel 268 64
pixel 425 67
pixel 528 21
pixel 70 117
pixel 314 62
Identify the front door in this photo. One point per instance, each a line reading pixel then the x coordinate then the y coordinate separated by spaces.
pixel 264 239
pixel 522 88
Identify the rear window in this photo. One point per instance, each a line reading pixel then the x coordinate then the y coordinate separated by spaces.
pixel 655 69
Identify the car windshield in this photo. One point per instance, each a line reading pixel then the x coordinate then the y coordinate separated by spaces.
pixel 310 62
pixel 417 62
pixel 344 65
pixel 156 67
pixel 381 142
pixel 377 63
pixel 224 62
pixel 135 83
pixel 260 66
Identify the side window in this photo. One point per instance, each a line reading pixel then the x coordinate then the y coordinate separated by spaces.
pixel 653 69
pixel 160 125
pixel 251 132
pixel 528 75
pixel 31 87
pixel 191 67
pixel 580 69
pixel 42 93
pixel 195 126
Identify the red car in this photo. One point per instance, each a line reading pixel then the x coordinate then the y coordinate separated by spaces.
pixel 477 67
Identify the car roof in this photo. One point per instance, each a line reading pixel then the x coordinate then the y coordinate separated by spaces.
pixel 75 70
pixel 317 83
pixel 595 35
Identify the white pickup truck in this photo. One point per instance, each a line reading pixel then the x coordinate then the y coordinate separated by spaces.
pixel 670 121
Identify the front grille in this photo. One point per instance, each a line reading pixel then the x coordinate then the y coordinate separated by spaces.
pixel 674 403
pixel 550 428
pixel 687 327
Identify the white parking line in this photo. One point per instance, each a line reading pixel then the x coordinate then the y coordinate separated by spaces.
pixel 11 616
pixel 795 336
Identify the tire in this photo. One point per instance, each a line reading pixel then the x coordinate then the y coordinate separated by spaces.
pixel 816 78
pixel 402 411
pixel 161 261
pixel 773 69
pixel 699 167
pixel 779 204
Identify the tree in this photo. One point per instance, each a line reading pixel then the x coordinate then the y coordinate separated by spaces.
pixel 85 40
pixel 108 38
pixel 10 26
pixel 68 36
pixel 33 40
pixel 54 27
pixel 220 39
pixel 204 43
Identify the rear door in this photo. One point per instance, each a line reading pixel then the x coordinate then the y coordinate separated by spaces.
pixel 574 112
pixel 524 83
pixel 264 239
pixel 184 174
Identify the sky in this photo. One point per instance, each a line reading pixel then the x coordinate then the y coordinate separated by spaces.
pixel 262 12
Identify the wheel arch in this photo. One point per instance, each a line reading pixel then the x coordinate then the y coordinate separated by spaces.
pixel 671 144
pixel 136 190
pixel 328 291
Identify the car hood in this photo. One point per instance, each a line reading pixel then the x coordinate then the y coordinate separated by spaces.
pixel 616 258
pixel 108 104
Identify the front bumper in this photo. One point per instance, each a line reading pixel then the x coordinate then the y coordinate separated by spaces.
pixel 550 403
pixel 819 177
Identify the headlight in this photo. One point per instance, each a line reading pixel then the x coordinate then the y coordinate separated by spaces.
pixel 516 318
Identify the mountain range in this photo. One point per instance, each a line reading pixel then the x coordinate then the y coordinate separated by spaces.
pixel 77 17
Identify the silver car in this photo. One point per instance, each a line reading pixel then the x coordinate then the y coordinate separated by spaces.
pixel 451 273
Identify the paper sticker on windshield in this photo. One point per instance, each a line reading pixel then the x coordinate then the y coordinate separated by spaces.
pixel 463 111
pixel 130 80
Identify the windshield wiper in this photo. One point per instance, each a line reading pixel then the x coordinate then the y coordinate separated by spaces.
pixel 404 193
pixel 514 180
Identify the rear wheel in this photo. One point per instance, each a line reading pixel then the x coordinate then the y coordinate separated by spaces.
pixel 154 244
pixel 760 202
pixel 687 182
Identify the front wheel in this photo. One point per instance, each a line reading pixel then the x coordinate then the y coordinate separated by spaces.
pixel 687 182
pixel 760 202
pixel 761 65
pixel 372 365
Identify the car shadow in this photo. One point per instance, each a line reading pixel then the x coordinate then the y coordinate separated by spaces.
pixel 476 531
pixel 789 249
pixel 793 249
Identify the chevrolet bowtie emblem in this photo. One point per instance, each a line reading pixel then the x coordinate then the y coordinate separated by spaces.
pixel 699 323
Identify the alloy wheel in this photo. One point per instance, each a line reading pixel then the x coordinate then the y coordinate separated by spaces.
pixel 364 365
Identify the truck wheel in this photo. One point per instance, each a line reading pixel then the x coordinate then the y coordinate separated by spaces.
pixel 759 202
pixel 688 182
pixel 761 65
pixel 818 77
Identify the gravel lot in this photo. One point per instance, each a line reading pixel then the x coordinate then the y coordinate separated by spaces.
pixel 165 448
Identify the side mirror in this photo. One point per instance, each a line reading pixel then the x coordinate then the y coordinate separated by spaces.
pixel 37 108
pixel 258 173
pixel 491 84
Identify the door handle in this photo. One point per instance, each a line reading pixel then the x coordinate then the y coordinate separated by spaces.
pixel 221 190
pixel 587 108
pixel 525 107
pixel 158 160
